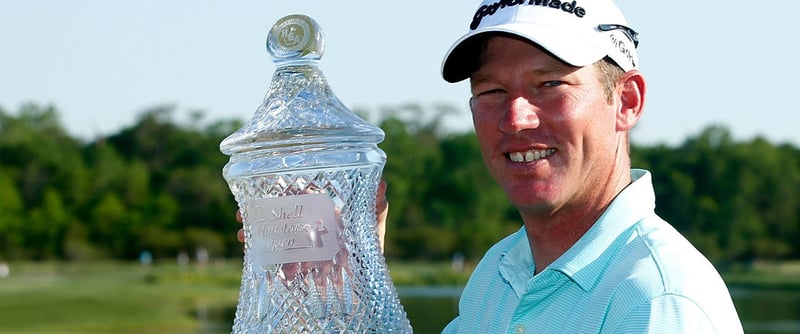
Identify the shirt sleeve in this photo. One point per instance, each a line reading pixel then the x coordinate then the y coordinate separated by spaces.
pixel 666 314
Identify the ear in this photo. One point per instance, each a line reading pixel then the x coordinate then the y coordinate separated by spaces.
pixel 631 91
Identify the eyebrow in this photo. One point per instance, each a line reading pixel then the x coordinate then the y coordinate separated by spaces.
pixel 555 67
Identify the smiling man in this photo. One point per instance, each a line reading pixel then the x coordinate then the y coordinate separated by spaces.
pixel 555 92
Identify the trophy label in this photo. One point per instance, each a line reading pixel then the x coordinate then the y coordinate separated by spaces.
pixel 294 33
pixel 297 228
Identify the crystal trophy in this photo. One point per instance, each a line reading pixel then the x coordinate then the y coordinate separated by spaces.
pixel 305 172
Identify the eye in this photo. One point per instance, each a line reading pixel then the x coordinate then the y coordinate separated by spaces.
pixel 490 95
pixel 553 83
pixel 487 100
pixel 489 92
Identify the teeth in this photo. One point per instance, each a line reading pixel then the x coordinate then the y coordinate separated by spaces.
pixel 530 155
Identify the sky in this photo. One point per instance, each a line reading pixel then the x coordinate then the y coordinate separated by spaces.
pixel 102 63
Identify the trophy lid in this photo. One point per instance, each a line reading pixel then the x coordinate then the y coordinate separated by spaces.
pixel 299 107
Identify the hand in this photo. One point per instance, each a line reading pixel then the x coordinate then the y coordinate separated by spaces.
pixel 381 209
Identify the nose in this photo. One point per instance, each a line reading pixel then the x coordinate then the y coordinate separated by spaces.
pixel 521 115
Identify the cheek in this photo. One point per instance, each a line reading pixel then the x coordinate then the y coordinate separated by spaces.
pixel 484 127
pixel 487 135
pixel 580 112
pixel 565 108
pixel 478 119
pixel 484 138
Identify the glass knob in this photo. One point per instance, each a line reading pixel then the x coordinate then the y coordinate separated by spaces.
pixel 295 38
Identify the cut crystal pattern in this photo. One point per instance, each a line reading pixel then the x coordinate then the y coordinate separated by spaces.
pixel 302 140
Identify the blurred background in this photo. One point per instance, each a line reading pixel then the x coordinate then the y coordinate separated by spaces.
pixel 114 216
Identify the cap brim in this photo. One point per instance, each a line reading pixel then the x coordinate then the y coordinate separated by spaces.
pixel 463 58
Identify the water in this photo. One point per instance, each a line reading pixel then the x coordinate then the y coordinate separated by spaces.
pixel 430 309
pixel 762 311
pixel 768 311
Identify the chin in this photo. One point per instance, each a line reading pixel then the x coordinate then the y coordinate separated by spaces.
pixel 533 189
pixel 525 201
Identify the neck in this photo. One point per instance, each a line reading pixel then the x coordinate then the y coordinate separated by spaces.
pixel 550 235
pixel 551 240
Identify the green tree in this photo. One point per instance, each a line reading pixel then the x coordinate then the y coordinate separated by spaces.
pixel 443 200
pixel 12 237
pixel 46 226
pixel 157 186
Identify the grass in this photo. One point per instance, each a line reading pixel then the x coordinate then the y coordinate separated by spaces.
pixel 113 297
pixel 118 297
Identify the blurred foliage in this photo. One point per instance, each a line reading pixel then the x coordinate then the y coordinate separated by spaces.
pixel 154 186
pixel 157 186
pixel 736 201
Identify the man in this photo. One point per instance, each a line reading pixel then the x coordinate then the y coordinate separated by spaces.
pixel 555 91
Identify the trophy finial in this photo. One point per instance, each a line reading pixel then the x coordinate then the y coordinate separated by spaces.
pixel 295 37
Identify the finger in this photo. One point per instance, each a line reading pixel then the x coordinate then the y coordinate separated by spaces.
pixel 381 204
pixel 240 232
pixel 382 210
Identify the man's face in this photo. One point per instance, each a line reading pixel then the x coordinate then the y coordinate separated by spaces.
pixel 546 130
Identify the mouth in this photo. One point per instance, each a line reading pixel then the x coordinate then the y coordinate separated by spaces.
pixel 530 155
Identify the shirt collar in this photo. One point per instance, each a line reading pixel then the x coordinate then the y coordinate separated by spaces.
pixel 516 264
pixel 584 261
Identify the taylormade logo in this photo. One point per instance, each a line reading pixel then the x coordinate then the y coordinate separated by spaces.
pixel 489 10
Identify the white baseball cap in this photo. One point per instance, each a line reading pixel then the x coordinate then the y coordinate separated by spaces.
pixel 578 32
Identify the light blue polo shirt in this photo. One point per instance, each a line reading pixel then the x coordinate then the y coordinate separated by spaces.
pixel 630 273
